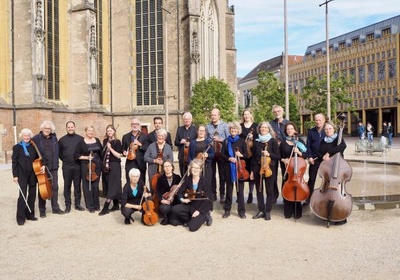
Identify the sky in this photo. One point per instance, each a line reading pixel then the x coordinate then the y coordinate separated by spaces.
pixel 259 25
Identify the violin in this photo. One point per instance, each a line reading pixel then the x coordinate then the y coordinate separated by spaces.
pixel 150 217
pixel 249 142
pixel 217 146
pixel 131 152
pixel 194 195
pixel 265 162
pixel 331 202
pixel 91 175
pixel 44 182
pixel 186 153
pixel 242 173
pixel 295 188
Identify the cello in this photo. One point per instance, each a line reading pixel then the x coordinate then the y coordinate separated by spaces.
pixel 295 188
pixel 44 182
pixel 331 202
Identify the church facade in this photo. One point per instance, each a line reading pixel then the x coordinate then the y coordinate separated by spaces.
pixel 98 62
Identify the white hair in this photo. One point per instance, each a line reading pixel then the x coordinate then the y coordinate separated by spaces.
pixel 25 131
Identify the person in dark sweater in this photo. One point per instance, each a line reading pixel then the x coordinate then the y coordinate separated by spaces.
pixel 47 143
pixel 71 167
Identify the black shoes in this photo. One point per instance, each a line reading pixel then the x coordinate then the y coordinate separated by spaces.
pixel 127 221
pixel 42 214
pixel 226 214
pixel 91 211
pixel 164 222
pixel 259 215
pixel 32 218
pixel 209 219
pixel 267 216
pixel 20 223
pixel 58 211
pixel 104 211
pixel 67 209
pixel 79 208
pixel 115 207
pixel 242 215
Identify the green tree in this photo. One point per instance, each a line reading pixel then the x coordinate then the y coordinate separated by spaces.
pixel 209 94
pixel 316 97
pixel 269 92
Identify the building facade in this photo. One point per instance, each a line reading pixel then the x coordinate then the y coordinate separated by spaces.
pixel 98 62
pixel 369 58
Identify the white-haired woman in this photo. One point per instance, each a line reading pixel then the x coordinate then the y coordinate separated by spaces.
pixel 132 195
pixel 24 153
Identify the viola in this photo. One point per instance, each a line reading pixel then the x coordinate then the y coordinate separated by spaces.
pixel 242 173
pixel 150 217
pixel 170 195
pixel 331 202
pixel 44 182
pixel 131 155
pixel 295 188
pixel 194 195
pixel 91 175
pixel 249 142
pixel 217 146
pixel 265 169
pixel 186 153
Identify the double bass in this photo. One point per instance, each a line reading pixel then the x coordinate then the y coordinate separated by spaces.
pixel 44 182
pixel 295 188
pixel 331 202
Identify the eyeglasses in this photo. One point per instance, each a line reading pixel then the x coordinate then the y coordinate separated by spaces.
pixel 195 167
pixel 48 128
pixel 135 123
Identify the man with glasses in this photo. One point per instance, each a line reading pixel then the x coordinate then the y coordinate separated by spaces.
pixel 133 145
pixel 47 143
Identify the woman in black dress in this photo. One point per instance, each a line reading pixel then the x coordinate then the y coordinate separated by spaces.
pixel 267 146
pixel 24 153
pixel 249 133
pixel 89 149
pixel 193 212
pixel 164 184
pixel 291 208
pixel 111 175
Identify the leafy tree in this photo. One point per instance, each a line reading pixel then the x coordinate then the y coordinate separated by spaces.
pixel 316 97
pixel 209 94
pixel 269 92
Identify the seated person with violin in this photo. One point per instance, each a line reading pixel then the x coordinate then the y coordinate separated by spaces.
pixel 233 151
pixel 194 195
pixel 167 187
pixel 132 195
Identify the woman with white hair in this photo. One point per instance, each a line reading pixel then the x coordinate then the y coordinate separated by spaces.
pixel 24 153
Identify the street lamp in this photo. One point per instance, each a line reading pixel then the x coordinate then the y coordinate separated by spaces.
pixel 328 78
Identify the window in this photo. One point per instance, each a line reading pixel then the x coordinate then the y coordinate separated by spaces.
pixel 149 53
pixel 392 68
pixel 371 72
pixel 342 45
pixel 355 41
pixel 53 51
pixel 381 71
pixel 361 74
pixel 386 31
pixel 370 37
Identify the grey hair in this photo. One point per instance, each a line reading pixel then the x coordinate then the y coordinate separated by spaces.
pixel 25 131
pixel 134 172
pixel 162 131
pixel 50 124
pixel 235 125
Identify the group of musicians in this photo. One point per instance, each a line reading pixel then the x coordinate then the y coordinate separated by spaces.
pixel 234 152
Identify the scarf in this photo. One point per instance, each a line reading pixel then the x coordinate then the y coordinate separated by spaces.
pixel 232 154
pixel 264 138
pixel 24 145
pixel 330 139
pixel 298 144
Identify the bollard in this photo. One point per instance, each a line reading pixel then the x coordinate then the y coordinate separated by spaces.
pixel 5 157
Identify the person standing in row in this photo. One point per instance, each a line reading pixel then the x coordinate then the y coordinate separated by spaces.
pixel 134 147
pixel 152 136
pixel 111 169
pixel 390 133
pixel 23 174
pixel 184 135
pixel 278 125
pixel 314 138
pixel 249 133
pixel 71 167
pixel 233 150
pixel 217 132
pixel 89 151
pixel 265 146
pixel 47 143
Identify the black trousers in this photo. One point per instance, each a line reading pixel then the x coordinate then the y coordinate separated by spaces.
pixel 30 195
pixel 228 198
pixel 312 175
pixel 266 184
pixel 214 165
pixel 72 174
pixel 54 198
pixel 180 214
